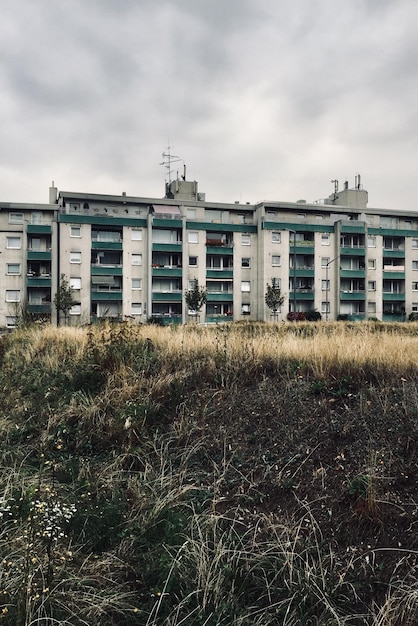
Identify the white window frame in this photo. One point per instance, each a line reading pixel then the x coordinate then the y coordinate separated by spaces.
pixel 136 234
pixel 15 217
pixel 371 306
pixel 245 239
pixel 325 308
pixel 371 285
pixel 190 261
pixel 193 236
pixel 139 281
pixel 75 230
pixel 11 321
pixel 371 264
pixel 325 284
pixel 12 298
pixel 136 259
pixel 415 265
pixel 414 244
pixel 325 261
pixel 371 241
pixel 276 236
pixel 75 282
pixel 9 272
pixel 14 242
pixel 244 263
pixel 136 308
pixel 75 309
pixel 75 256
pixel 245 286
pixel 276 260
pixel 325 239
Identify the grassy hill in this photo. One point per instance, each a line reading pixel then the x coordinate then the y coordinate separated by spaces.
pixel 237 475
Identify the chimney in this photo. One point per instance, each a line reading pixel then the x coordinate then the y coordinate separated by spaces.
pixel 53 194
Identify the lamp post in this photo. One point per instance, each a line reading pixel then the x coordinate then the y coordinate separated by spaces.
pixel 327 285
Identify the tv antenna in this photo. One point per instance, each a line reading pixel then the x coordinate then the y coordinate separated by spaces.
pixel 168 160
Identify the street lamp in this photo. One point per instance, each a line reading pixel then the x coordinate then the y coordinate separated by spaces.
pixel 328 286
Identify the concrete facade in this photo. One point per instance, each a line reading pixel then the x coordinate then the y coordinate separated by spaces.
pixel 132 257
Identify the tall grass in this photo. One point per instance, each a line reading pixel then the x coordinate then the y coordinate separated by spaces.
pixel 201 476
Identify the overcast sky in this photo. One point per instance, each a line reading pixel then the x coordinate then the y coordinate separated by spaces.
pixel 262 99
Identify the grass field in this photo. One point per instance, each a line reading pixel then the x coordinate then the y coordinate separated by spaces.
pixel 245 474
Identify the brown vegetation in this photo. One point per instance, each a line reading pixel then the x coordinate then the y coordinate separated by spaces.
pixel 239 474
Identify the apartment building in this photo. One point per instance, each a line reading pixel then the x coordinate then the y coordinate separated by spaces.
pixel 129 257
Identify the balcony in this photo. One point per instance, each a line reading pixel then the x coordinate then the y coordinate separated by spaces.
pixel 38 255
pixel 45 307
pixel 393 296
pixel 219 273
pixel 38 281
pixel 167 296
pixel 219 297
pixel 106 245
pixel 39 229
pixel 167 270
pixel 352 295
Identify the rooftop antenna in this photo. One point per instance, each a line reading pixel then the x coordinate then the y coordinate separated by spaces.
pixel 168 160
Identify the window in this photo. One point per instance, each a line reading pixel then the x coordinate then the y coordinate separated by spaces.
pixel 75 231
pixel 136 283
pixel 414 286
pixel 13 243
pixel 136 308
pixel 12 295
pixel 415 243
pixel 245 285
pixel 415 265
pixel 74 206
pixel 325 239
pixel 301 216
pixel 136 259
pixel 245 262
pixel 371 241
pixel 136 234
pixel 325 285
pixel 415 307
pixel 193 261
pixel 36 217
pixel 245 239
pixel 276 236
pixel 75 309
pixel 246 309
pixel 325 307
pixel 11 321
pixel 371 307
pixel 371 285
pixel 75 283
pixel 15 218
pixel 75 257
pixel 325 261
pixel 275 259
pixel 319 217
pixel 193 236
pixel 275 282
pixel 371 264
pixel 13 268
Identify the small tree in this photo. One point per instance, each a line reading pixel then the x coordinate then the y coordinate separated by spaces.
pixel 195 298
pixel 274 297
pixel 64 299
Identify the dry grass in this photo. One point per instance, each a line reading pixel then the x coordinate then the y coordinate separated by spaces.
pixel 203 467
